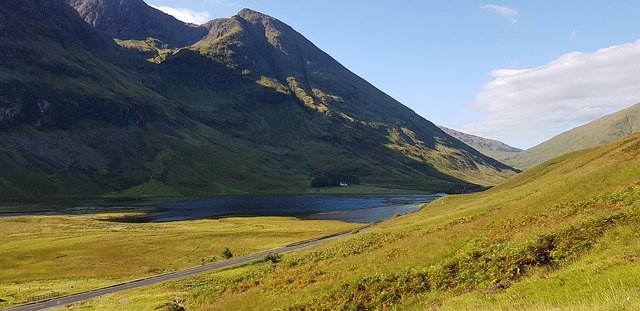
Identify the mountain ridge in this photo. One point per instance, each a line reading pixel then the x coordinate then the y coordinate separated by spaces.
pixel 134 19
pixel 489 147
pixel 206 119
pixel 320 82
pixel 595 133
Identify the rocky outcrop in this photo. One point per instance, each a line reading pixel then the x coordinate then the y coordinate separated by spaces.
pixel 133 19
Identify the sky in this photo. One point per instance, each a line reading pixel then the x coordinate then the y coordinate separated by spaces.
pixel 517 71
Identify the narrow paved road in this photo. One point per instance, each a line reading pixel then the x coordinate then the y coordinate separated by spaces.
pixel 66 300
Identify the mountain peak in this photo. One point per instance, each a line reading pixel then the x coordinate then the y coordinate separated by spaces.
pixel 134 19
pixel 251 15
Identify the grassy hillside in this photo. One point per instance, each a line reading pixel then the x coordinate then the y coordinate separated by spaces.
pixel 81 116
pixel 596 133
pixel 346 109
pixel 562 235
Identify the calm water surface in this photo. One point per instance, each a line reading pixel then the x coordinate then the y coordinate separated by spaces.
pixel 360 209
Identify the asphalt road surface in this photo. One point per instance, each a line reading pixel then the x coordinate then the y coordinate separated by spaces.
pixel 66 300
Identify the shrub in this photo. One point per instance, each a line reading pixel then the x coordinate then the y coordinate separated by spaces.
pixel 175 305
pixel 226 253
pixel 491 265
pixel 274 258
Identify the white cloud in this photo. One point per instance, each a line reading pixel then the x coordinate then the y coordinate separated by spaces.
pixel 528 106
pixel 184 14
pixel 509 13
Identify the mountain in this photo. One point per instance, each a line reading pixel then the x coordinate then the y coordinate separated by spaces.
pixel 56 71
pixel 274 55
pixel 596 133
pixel 251 107
pixel 569 225
pixel 489 147
pixel 71 117
pixel 134 19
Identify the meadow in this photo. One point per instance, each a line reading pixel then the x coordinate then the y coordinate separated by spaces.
pixel 562 236
pixel 49 256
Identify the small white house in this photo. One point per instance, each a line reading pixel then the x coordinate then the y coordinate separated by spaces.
pixel 343 184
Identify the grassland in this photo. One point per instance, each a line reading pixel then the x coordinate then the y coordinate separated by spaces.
pixel 47 256
pixel 560 236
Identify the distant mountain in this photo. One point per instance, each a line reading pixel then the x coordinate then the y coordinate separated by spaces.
pixel 596 133
pixel 250 107
pixel 134 19
pixel 489 147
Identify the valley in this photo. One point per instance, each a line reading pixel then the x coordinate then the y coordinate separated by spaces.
pixel 174 157
pixel 502 248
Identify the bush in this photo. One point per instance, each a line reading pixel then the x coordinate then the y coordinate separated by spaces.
pixel 274 258
pixel 175 305
pixel 226 253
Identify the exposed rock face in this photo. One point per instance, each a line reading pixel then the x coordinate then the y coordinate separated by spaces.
pixel 133 19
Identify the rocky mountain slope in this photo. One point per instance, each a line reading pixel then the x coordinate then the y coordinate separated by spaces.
pixel 134 19
pixel 596 133
pixel 489 147
pixel 252 107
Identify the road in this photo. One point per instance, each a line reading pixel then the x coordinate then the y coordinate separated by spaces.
pixel 66 300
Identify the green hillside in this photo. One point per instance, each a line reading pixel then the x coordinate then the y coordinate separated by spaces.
pixel 84 115
pixel 596 133
pixel 562 235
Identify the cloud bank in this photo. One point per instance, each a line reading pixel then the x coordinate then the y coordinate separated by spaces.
pixel 184 14
pixel 509 13
pixel 528 106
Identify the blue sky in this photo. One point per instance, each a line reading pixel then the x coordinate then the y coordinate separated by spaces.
pixel 517 71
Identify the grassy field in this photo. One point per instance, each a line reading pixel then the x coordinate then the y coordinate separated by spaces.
pixel 47 256
pixel 560 236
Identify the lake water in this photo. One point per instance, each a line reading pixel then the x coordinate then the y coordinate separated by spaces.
pixel 360 209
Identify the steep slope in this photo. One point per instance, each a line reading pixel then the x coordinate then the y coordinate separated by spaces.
pixel 569 225
pixel 70 119
pixel 601 131
pixel 81 116
pixel 272 54
pixel 489 147
pixel 57 70
pixel 134 19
